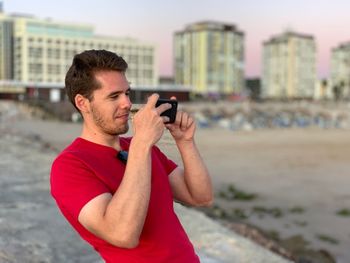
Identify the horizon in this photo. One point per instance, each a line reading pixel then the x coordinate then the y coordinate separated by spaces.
pixel 156 21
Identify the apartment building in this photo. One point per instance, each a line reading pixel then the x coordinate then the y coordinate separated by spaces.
pixel 289 66
pixel 340 71
pixel 40 51
pixel 209 57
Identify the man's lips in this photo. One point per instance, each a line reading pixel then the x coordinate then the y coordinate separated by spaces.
pixel 123 116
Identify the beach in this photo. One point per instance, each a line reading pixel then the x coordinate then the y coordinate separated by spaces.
pixel 300 173
pixel 304 170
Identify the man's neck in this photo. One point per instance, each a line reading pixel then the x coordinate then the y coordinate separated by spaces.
pixel 98 137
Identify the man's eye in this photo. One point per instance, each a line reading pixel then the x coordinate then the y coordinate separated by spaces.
pixel 115 96
pixel 127 93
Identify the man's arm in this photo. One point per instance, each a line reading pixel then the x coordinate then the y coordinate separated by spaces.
pixel 190 185
pixel 119 219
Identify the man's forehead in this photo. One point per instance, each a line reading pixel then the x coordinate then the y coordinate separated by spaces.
pixel 112 79
pixel 108 74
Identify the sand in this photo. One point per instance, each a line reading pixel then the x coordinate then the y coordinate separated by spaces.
pixel 287 169
pixel 304 168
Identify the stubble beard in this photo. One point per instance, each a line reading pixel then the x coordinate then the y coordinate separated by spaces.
pixel 108 127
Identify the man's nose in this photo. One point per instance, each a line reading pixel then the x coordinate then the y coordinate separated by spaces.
pixel 126 103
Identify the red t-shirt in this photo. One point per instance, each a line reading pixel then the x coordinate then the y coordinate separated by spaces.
pixel 85 170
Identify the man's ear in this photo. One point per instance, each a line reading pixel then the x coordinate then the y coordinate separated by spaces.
pixel 82 103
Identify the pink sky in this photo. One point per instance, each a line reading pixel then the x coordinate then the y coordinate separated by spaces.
pixel 156 20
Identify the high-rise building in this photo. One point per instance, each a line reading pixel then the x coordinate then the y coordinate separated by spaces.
pixel 289 66
pixel 39 51
pixel 340 70
pixel 209 57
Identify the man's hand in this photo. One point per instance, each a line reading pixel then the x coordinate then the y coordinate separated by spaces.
pixel 190 185
pixel 148 125
pixel 183 128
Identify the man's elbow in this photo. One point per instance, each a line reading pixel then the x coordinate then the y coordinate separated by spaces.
pixel 123 239
pixel 130 244
pixel 207 202
pixel 124 242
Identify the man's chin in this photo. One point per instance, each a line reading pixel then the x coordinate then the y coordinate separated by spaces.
pixel 122 130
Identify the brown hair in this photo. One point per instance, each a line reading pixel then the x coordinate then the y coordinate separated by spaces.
pixel 80 78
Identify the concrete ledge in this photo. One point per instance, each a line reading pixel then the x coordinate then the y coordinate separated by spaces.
pixel 216 244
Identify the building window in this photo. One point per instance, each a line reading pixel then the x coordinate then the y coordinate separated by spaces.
pixel 148 60
pixel 148 73
pixel 133 59
pixel 35 52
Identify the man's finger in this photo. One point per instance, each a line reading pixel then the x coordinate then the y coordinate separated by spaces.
pixel 178 118
pixel 165 119
pixel 152 100
pixel 163 107
pixel 183 124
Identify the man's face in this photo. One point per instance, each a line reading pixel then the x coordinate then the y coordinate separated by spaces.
pixel 110 106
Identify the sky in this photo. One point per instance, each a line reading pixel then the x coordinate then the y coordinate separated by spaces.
pixel 155 21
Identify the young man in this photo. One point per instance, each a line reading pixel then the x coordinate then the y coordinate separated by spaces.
pixel 125 210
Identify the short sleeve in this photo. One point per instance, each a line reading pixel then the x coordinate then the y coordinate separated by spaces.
pixel 73 184
pixel 168 164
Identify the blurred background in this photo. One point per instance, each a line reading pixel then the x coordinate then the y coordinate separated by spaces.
pixel 268 83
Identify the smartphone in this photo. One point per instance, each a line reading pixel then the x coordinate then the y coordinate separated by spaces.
pixel 171 113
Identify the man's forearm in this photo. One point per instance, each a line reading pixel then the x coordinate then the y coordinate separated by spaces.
pixel 128 208
pixel 196 174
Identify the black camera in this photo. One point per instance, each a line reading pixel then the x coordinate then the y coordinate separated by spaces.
pixel 170 113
